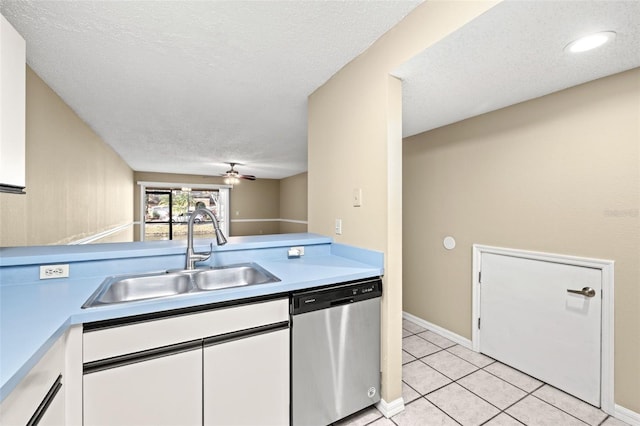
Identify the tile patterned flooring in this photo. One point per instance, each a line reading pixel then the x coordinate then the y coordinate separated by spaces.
pixel 447 384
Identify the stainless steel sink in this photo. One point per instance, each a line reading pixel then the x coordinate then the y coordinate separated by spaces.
pixel 232 276
pixel 130 288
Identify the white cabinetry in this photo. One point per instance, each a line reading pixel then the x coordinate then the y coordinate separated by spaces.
pixel 246 381
pixel 39 397
pixel 151 391
pixel 54 415
pixel 225 366
pixel 12 108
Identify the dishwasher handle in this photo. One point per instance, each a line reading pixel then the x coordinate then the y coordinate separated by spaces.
pixel 341 302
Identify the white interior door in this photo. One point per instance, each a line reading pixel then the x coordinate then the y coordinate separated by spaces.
pixel 531 322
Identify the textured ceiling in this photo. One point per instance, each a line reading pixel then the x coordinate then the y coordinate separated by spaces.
pixel 513 53
pixel 184 86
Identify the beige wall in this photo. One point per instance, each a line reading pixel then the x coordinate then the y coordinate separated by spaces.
pixel 293 203
pixel 557 174
pixel 77 185
pixel 259 199
pixel 270 199
pixel 354 141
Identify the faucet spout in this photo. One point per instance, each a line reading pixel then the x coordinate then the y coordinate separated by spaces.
pixel 193 257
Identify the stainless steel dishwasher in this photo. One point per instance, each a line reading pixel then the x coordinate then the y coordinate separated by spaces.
pixel 335 345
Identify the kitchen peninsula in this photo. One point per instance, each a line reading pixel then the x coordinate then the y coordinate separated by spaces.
pixel 41 316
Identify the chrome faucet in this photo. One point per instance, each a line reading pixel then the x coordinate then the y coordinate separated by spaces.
pixel 193 257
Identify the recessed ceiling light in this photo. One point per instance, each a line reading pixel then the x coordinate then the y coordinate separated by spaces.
pixel 590 42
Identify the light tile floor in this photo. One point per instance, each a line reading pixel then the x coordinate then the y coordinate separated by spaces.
pixel 448 384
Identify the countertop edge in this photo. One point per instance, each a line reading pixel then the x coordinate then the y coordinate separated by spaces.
pixel 13 381
pixel 20 256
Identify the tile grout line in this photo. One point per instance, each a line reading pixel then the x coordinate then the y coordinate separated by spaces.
pixel 506 414
pixel 425 398
pixel 513 384
pixel 416 391
pixel 558 408
pixel 577 399
pixel 605 419
pixel 456 355
pixel 450 378
pixel 445 413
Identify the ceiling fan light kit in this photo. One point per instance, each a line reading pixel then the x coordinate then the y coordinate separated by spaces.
pixel 229 180
pixel 232 176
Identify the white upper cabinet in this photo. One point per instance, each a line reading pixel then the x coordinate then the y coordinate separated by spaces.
pixel 12 108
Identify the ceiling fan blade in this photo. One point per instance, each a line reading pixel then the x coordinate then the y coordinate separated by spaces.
pixel 233 173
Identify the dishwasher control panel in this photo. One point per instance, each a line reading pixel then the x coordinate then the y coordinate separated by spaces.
pixel 335 295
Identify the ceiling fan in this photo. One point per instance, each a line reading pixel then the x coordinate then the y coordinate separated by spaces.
pixel 232 176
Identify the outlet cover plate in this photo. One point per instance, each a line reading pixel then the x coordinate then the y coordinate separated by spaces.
pixel 48 272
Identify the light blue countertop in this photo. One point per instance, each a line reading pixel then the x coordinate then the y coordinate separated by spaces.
pixel 34 314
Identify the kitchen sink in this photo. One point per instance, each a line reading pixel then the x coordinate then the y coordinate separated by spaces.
pixel 130 288
pixel 232 276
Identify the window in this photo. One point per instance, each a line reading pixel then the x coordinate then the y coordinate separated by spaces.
pixel 166 211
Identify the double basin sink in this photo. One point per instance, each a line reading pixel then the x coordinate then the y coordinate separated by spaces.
pixel 130 288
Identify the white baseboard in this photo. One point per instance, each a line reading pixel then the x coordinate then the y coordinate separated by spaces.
pixel 303 222
pixel 630 417
pixel 389 409
pixel 95 237
pixel 462 341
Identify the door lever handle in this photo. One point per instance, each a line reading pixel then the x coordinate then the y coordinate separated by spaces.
pixel 586 291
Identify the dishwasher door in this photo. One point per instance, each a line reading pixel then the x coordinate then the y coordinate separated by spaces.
pixel 335 360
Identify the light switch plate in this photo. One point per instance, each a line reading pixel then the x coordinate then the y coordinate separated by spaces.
pixel 357 197
pixel 338 226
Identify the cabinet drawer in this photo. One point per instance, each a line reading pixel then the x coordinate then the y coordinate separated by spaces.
pixel 160 391
pixel 125 339
pixel 24 400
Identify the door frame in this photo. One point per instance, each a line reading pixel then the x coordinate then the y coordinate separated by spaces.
pixel 607 403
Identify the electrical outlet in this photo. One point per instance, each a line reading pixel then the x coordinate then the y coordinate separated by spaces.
pixel 54 271
pixel 338 226
pixel 295 251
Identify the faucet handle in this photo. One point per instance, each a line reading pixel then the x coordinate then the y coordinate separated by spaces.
pixel 205 255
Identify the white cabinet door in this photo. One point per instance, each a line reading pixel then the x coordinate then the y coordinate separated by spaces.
pixel 24 402
pixel 530 321
pixel 12 108
pixel 55 414
pixel 246 381
pixel 158 391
